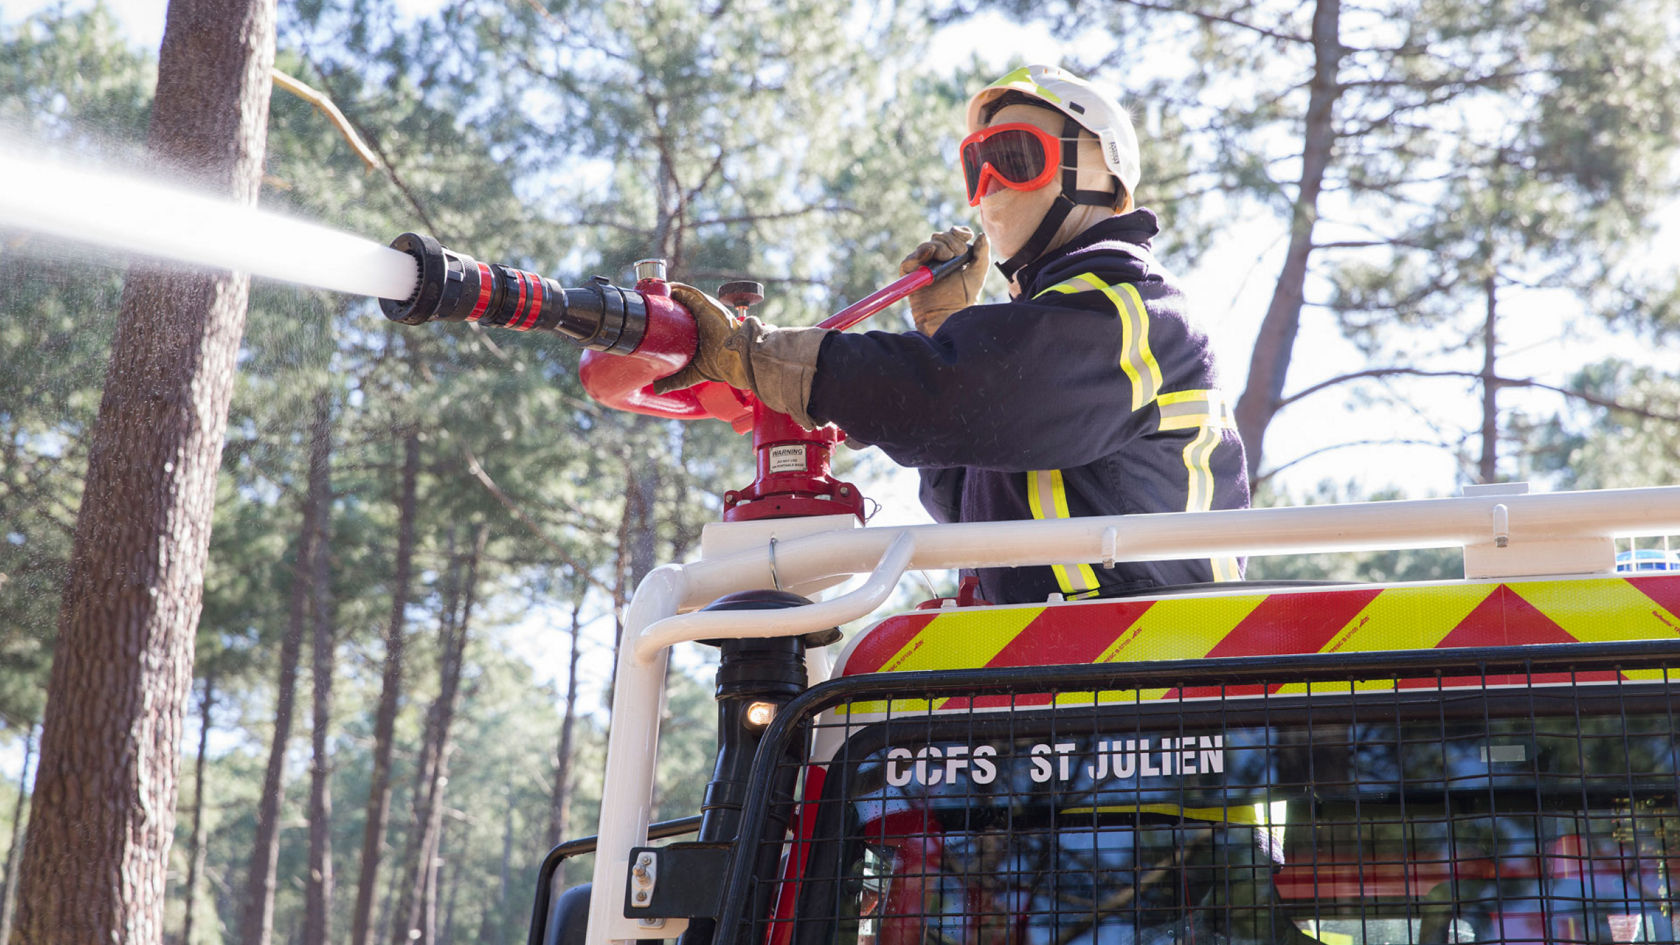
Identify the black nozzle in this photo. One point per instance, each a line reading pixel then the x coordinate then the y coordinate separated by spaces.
pixel 457 288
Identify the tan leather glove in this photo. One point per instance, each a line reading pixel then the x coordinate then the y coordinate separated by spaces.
pixel 776 364
pixel 713 359
pixel 931 305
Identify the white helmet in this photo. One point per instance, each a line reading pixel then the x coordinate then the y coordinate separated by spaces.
pixel 1095 111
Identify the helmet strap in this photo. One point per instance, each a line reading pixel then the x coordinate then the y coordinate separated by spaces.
pixel 1070 172
pixel 1040 237
pixel 1063 205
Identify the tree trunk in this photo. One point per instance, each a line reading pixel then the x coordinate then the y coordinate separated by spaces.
pixel 8 895
pixel 1489 467
pixel 385 719
pixel 446 935
pixel 195 844
pixel 644 490
pixel 257 925
pixel 505 880
pixel 417 909
pixel 97 850
pixel 318 888
pixel 560 801
pixel 635 557
pixel 1275 343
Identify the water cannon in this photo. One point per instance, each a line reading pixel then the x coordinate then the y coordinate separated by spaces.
pixel 455 287
pixel 634 337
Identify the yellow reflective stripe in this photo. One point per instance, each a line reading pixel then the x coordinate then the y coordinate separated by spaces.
pixel 1023 75
pixel 1198 461
pixel 1225 569
pixel 1209 414
pixel 1076 284
pixel 1189 409
pixel 1047 497
pixel 1137 359
pixel 1205 412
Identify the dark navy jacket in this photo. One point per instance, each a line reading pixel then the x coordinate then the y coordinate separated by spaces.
pixel 1091 393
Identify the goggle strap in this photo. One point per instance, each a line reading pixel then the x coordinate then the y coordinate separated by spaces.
pixel 1070 155
pixel 1096 198
pixel 1070 171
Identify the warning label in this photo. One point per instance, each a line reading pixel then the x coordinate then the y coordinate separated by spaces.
pixel 789 458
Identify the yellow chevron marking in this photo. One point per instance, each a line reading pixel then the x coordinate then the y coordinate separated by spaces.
pixel 1398 619
pixel 1592 610
pixel 1409 618
pixel 953 641
pixel 1601 609
pixel 1185 628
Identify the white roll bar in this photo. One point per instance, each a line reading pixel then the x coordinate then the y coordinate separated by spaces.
pixel 1503 533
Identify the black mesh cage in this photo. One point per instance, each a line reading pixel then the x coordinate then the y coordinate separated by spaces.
pixel 1511 795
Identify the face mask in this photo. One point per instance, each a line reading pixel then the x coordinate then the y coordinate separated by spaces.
pixel 1009 214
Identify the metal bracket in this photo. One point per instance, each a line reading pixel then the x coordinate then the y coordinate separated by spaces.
pixel 692 887
pixel 644 879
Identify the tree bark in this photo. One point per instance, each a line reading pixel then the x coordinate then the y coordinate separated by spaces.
pixel 384 724
pixel 446 935
pixel 257 924
pixel 635 554
pixel 318 888
pixel 1488 470
pixel 195 844
pixel 1274 345
pixel 97 851
pixel 417 909
pixel 560 801
pixel 8 895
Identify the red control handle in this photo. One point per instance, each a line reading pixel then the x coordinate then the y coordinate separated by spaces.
pixel 625 381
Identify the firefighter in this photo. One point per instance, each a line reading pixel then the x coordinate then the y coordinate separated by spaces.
pixel 1089 392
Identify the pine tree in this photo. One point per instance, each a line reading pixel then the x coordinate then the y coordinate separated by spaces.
pixel 94 860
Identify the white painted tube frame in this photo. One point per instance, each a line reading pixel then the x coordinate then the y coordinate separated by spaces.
pixel 652 625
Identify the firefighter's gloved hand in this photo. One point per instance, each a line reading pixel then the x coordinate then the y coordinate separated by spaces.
pixel 931 305
pixel 776 364
pixel 713 361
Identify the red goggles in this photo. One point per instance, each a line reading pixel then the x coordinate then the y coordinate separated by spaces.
pixel 1018 155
